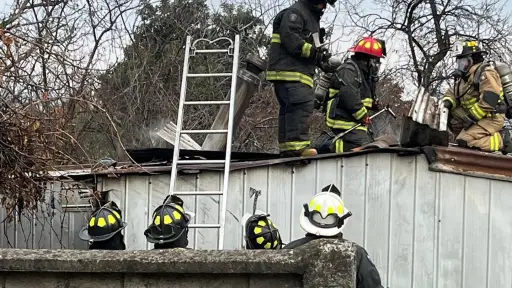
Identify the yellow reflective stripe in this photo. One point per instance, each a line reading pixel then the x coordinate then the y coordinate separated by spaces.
pixel 289 76
pixel 495 142
pixel 339 146
pixel 294 146
pixel 368 102
pixel 344 125
pixel 477 112
pixel 451 100
pixel 306 50
pixel 333 92
pixel 468 103
pixel 276 38
pixel 360 113
pixel 340 124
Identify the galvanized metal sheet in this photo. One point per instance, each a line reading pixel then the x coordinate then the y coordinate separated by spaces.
pixel 421 228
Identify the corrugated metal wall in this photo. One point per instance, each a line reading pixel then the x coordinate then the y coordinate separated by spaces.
pixel 48 228
pixel 421 228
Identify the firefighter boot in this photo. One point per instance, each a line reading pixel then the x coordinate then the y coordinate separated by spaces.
pixel 299 153
pixel 507 142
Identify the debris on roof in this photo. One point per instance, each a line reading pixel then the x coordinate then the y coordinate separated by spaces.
pixel 442 159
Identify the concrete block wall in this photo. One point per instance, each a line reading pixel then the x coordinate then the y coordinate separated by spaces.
pixel 319 264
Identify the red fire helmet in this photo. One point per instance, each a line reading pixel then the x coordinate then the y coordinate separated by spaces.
pixel 371 46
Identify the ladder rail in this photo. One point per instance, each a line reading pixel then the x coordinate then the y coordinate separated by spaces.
pixel 234 51
pixel 179 121
pixel 227 166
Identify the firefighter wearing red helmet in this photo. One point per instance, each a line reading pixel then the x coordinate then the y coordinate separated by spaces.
pixel 293 59
pixel 352 94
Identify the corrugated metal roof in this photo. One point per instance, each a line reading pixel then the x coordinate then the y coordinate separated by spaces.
pixel 446 159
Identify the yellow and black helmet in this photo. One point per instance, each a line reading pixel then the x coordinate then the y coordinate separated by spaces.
pixel 170 221
pixel 468 47
pixel 261 233
pixel 103 223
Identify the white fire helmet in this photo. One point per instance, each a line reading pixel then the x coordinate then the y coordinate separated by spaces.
pixel 326 214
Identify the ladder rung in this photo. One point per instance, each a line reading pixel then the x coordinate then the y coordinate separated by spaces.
pixel 212 51
pixel 194 193
pixel 206 103
pixel 204 226
pixel 204 131
pixel 193 162
pixel 210 75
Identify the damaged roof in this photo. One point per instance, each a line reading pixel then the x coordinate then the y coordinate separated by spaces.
pixel 441 159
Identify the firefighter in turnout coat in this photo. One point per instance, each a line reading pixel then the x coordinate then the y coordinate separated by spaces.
pixel 325 216
pixel 476 102
pixel 352 94
pixel 292 62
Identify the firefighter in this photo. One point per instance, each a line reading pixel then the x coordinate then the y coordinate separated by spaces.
pixel 104 229
pixel 293 59
pixel 476 102
pixel 325 217
pixel 261 233
pixel 352 94
pixel 169 227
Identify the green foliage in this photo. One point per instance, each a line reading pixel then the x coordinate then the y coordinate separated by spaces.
pixel 142 91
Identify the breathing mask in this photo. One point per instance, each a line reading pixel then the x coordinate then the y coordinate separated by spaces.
pixel 463 65
pixel 374 68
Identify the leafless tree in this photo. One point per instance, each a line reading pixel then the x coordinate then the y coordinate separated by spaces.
pixel 51 53
pixel 424 32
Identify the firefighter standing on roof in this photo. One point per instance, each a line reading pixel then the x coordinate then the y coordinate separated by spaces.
pixel 291 66
pixel 476 100
pixel 352 94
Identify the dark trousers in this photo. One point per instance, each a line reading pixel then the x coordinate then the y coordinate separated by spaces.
pixel 296 107
pixel 351 140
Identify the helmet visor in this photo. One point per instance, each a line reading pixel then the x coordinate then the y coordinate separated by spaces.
pixel 330 221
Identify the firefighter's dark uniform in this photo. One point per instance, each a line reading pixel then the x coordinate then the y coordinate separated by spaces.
pixel 352 93
pixel 291 67
pixel 367 274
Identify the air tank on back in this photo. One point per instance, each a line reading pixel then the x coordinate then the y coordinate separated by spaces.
pixel 324 81
pixel 505 73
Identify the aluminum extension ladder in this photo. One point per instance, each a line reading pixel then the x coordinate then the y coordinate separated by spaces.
pixel 190 50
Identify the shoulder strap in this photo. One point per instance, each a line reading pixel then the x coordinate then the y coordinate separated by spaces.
pixel 479 70
pixel 353 64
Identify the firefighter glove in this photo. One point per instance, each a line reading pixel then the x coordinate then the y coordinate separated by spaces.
pixel 447 104
pixel 318 104
pixel 322 55
pixel 366 120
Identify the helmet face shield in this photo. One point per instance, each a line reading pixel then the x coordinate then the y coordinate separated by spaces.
pixel 331 220
pixel 464 63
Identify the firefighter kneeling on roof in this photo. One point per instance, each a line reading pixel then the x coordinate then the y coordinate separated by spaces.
pixel 352 95
pixel 476 102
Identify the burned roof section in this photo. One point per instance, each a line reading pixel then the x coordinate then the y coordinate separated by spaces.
pixel 441 159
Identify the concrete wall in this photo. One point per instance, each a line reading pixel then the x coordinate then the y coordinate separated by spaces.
pixel 318 264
